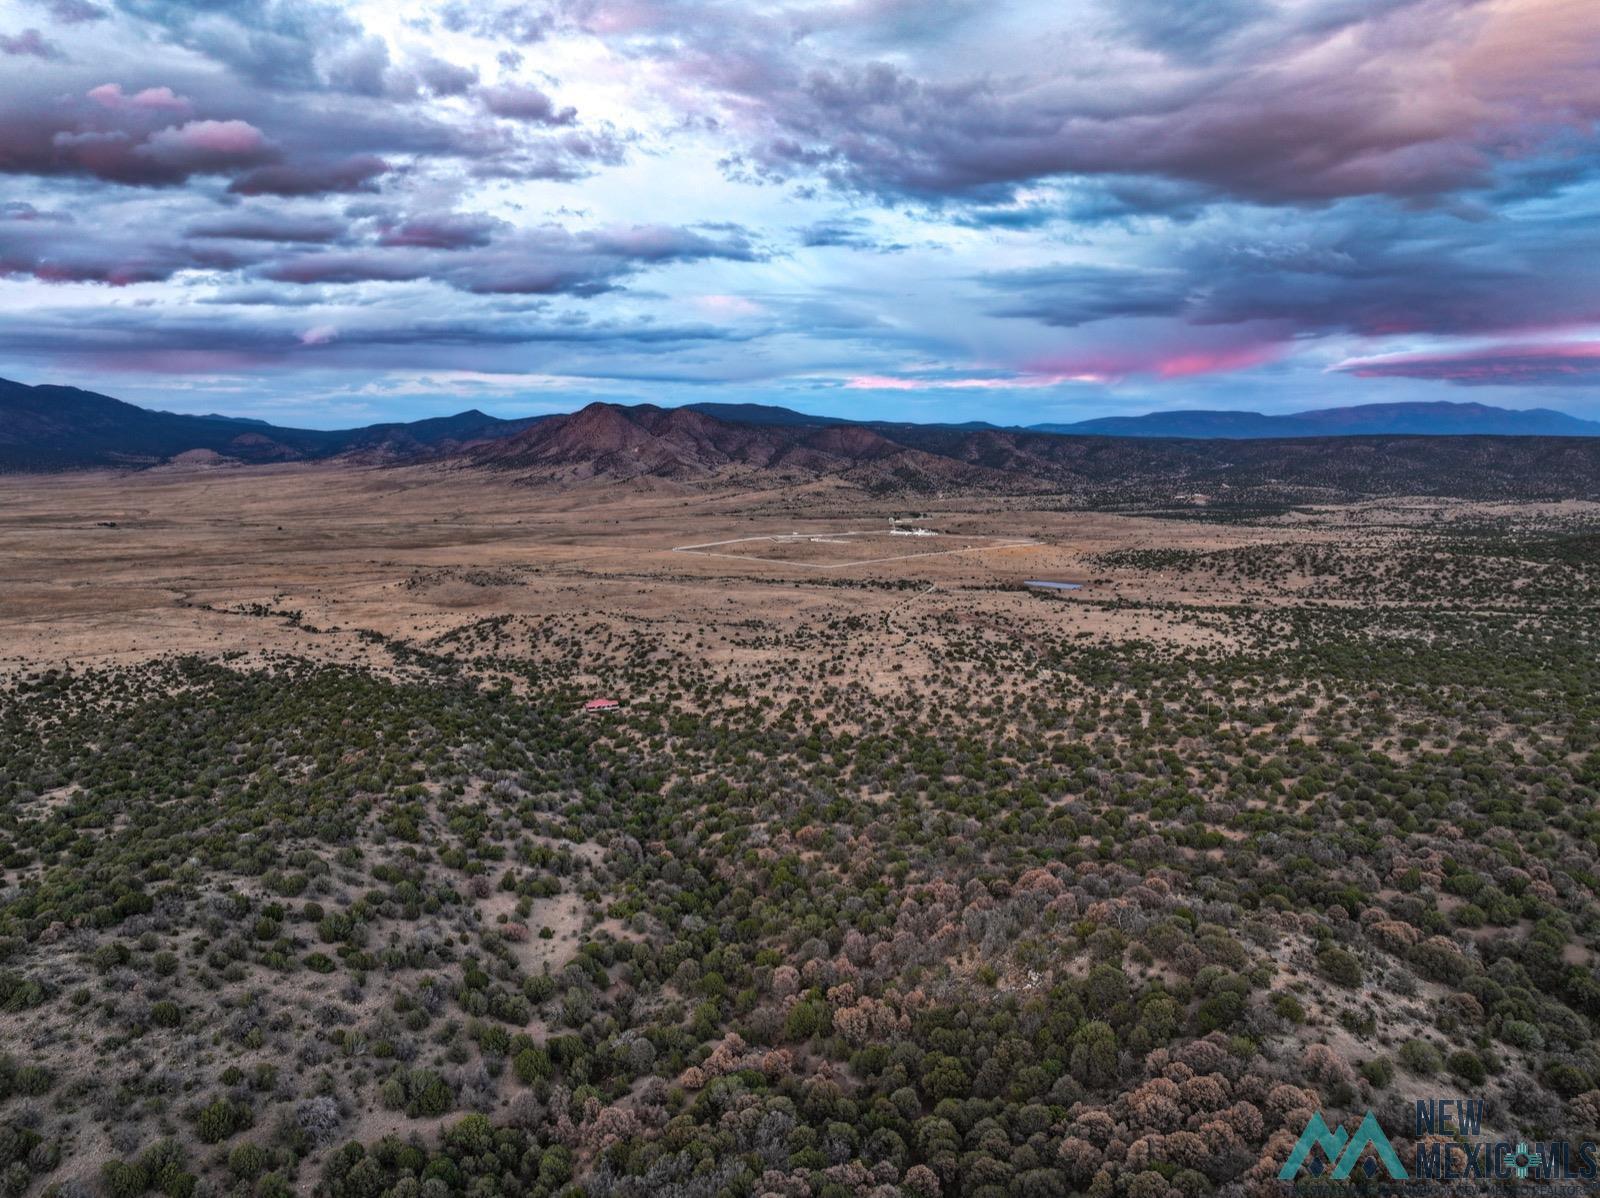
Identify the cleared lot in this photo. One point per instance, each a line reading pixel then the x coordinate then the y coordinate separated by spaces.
pixel 837 550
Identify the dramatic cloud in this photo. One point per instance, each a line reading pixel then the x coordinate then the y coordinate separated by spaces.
pixel 1415 100
pixel 947 208
pixel 1505 365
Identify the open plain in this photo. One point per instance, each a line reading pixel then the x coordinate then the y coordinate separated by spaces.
pixel 120 567
pixel 884 871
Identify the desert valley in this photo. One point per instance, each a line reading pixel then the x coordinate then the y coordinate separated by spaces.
pixel 799 599
pixel 880 870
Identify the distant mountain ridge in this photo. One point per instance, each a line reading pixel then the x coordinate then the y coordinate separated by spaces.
pixel 607 440
pixel 757 413
pixel 1380 419
pixel 1434 419
pixel 722 445
pixel 65 428
pixel 684 446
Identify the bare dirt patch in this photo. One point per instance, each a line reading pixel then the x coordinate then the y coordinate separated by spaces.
pixel 839 549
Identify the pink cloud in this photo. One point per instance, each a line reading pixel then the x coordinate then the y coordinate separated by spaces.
pixel 1176 353
pixel 1100 367
pixel 1497 365
pixel 209 145
pixel 1219 361
pixel 214 137
pixel 151 99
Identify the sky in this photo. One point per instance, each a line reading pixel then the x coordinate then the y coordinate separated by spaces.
pixel 329 214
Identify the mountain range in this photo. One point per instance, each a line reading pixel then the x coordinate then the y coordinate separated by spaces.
pixel 695 448
pixel 1405 419
pixel 1363 420
pixel 60 428
pixel 64 428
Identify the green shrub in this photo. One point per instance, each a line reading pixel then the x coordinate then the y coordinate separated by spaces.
pixel 220 1120
pixel 1519 1033
pixel 1288 1007
pixel 531 1065
pixel 247 1160
pixel 1421 1058
pixel 1468 1067
pixel 1340 965
pixel 1379 1071
pixel 166 1014
pixel 123 1179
